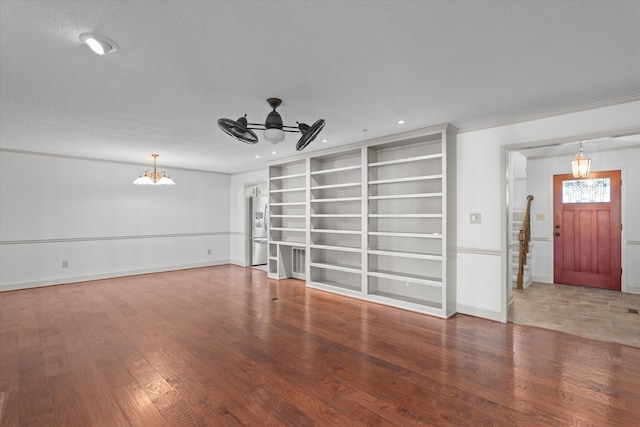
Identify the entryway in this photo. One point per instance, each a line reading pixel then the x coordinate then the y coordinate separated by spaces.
pixel 587 251
pixel 588 312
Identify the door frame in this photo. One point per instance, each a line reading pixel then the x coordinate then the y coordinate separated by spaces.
pixel 505 182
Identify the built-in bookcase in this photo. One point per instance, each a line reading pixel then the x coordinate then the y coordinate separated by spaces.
pixel 379 218
pixel 336 222
pixel 287 217
pixel 405 222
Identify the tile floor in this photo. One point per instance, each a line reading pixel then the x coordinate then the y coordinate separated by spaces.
pixel 593 313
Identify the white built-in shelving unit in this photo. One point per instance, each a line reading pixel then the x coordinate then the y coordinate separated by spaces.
pixel 377 220
pixel 336 222
pixel 287 218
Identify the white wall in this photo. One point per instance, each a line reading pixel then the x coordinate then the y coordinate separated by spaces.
pixel 239 205
pixel 89 214
pixel 540 183
pixel 481 188
pixel 518 178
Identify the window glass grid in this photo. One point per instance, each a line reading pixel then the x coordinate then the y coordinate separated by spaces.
pixel 586 191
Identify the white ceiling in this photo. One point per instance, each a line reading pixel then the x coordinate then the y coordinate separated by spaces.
pixel 181 65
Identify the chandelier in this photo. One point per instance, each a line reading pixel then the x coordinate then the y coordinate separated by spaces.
pixel 580 164
pixel 154 178
pixel 273 128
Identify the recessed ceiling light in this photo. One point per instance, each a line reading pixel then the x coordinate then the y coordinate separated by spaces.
pixel 274 152
pixel 99 44
pixel 257 156
pixel 400 122
pixel 324 140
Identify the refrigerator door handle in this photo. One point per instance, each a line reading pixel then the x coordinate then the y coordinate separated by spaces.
pixel 266 217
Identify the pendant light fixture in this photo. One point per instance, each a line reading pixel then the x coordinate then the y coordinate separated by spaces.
pixel 581 164
pixel 273 128
pixel 154 178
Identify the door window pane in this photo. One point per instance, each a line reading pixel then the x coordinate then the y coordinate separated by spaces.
pixel 586 191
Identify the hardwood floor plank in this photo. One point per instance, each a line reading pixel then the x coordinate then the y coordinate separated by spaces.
pixel 140 410
pixel 69 406
pixel 226 346
pixel 9 414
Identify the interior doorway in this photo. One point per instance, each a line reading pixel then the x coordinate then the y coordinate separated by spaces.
pixel 587 230
pixel 543 160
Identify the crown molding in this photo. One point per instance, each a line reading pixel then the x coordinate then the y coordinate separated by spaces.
pixel 569 110
pixel 95 159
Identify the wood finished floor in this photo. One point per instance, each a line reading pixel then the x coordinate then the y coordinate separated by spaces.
pixel 225 346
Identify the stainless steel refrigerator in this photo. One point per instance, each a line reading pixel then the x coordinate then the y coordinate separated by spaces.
pixel 258 227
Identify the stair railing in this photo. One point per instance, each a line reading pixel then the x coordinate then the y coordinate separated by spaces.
pixel 524 237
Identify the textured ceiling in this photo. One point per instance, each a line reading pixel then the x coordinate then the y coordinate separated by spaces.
pixel 181 65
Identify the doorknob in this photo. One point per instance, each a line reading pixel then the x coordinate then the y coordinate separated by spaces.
pixel 556 234
pixel 557 225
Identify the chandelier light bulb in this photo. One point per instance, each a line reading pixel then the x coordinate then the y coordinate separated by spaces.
pixel 154 178
pixel 581 164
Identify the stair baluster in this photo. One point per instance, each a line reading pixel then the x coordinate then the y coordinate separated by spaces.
pixel 524 237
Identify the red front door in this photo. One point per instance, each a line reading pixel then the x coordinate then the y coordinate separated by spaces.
pixel 587 230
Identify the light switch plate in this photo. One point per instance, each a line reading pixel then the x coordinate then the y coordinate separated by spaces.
pixel 475 218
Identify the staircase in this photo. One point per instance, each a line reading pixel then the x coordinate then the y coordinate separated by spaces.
pixel 517 223
pixel 519 248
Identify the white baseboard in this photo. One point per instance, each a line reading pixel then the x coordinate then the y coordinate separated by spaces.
pixel 633 290
pixel 542 279
pixel 238 262
pixel 478 312
pixel 76 279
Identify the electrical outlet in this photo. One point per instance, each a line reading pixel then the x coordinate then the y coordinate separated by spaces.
pixel 65 264
pixel 540 217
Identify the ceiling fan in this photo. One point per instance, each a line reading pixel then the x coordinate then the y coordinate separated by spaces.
pixel 273 128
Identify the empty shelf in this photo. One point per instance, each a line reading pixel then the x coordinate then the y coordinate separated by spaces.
pixel 287 190
pixel 287 204
pixel 406 196
pixel 337 248
pixel 401 254
pixel 337 199
pixel 405 277
pixel 325 230
pixel 345 185
pixel 344 168
pixel 407 179
pixel 406 160
pixel 420 235
pixel 294 175
pixel 344 268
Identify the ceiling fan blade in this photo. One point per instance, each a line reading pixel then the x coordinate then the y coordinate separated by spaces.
pixel 238 130
pixel 309 134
